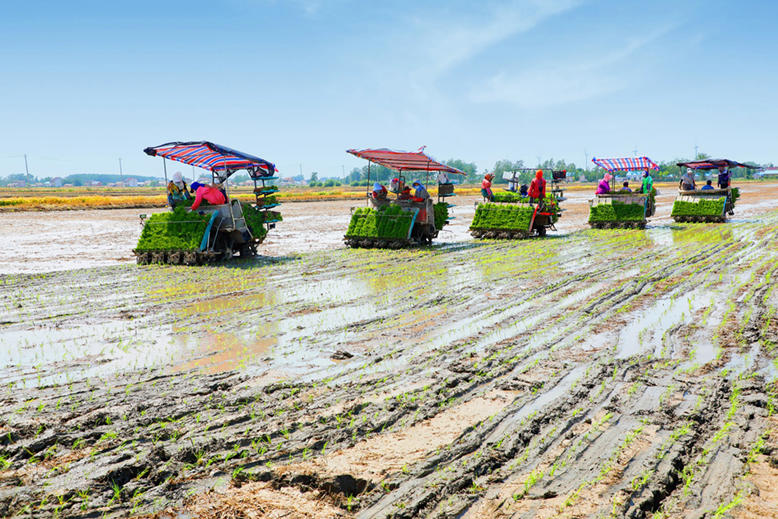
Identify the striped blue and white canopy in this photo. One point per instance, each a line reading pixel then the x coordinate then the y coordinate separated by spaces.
pixel 626 164
pixel 213 157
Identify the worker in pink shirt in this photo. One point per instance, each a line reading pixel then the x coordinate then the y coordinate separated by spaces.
pixel 486 187
pixel 211 194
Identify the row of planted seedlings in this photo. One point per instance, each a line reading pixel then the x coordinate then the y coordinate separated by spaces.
pixel 233 462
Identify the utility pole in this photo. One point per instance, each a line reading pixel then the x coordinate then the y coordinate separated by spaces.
pixel 121 173
pixel 25 168
pixel 695 151
pixel 586 162
pixel 538 161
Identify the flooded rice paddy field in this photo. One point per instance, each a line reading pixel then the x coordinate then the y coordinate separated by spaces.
pixel 590 374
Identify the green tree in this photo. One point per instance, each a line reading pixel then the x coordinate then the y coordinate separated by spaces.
pixel 503 166
pixel 467 167
pixel 314 177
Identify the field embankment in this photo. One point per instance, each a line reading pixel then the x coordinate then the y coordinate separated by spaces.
pixel 66 199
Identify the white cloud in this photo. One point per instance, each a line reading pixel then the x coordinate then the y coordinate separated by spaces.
pixel 444 44
pixel 567 81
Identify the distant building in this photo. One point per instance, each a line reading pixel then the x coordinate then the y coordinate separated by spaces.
pixel 132 182
pixel 95 183
pixel 770 172
pixel 67 185
pixel 56 182
pixel 119 184
pixel 19 183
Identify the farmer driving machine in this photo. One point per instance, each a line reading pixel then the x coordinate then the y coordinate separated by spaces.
pixel 513 215
pixel 708 205
pixel 393 219
pixel 624 209
pixel 211 232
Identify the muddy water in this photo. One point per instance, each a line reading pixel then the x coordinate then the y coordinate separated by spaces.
pixel 64 240
pixel 592 372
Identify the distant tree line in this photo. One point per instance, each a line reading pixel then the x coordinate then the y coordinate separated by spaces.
pixel 81 179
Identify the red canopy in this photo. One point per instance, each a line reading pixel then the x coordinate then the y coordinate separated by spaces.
pixel 714 164
pixel 626 164
pixel 404 160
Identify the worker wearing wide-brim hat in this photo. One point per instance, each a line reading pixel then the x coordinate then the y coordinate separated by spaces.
pixel 177 191
pixel 420 193
pixel 486 187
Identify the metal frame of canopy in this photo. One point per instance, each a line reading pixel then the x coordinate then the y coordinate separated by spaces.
pixel 714 164
pixel 214 158
pixel 402 161
pixel 625 164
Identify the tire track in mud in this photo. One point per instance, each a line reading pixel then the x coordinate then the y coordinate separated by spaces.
pixel 584 424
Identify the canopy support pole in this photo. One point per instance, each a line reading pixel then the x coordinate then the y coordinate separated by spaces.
pixel 164 166
pixel 368 182
pixel 227 193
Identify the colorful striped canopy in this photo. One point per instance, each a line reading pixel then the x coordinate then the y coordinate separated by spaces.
pixel 626 164
pixel 404 160
pixel 714 164
pixel 213 157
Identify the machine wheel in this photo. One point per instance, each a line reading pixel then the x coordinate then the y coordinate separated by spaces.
pixel 174 257
pixel 142 258
pixel 248 250
pixel 190 258
pixel 158 256
pixel 541 230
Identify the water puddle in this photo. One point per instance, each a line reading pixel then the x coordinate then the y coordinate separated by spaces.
pixel 564 385
pixel 646 334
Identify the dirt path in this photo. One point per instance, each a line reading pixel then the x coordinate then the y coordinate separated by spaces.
pixel 593 373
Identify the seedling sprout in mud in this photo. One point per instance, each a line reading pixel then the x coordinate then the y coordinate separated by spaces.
pixel 598 373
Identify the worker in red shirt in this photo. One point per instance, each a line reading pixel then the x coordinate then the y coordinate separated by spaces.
pixel 486 187
pixel 537 189
pixel 210 194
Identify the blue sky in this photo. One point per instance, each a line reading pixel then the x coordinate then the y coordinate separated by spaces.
pixel 298 82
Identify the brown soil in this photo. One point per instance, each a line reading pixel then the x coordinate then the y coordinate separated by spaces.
pixel 474 378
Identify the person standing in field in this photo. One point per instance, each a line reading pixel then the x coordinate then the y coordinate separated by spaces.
pixel 210 194
pixel 537 188
pixel 486 187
